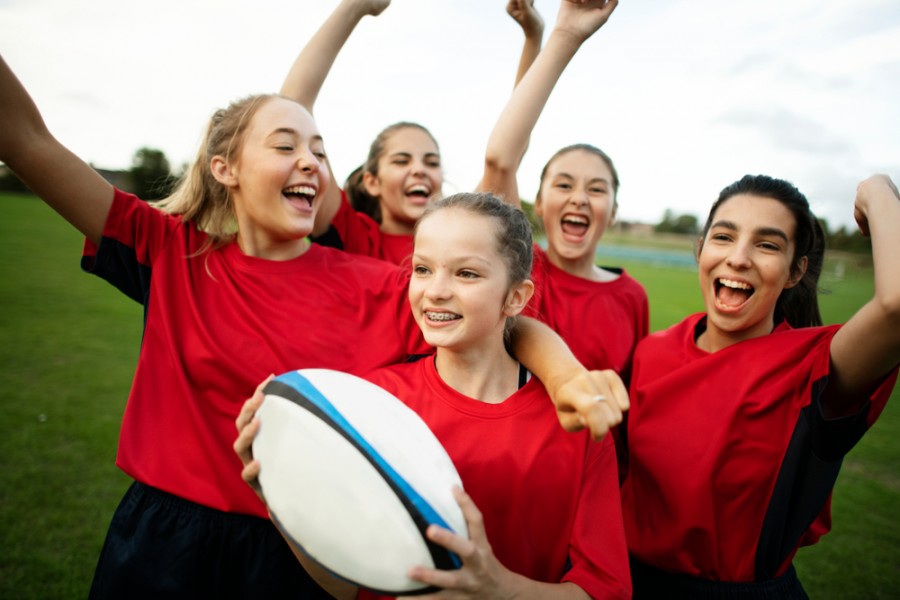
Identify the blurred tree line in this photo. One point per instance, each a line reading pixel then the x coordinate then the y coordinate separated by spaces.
pixel 150 176
pixel 848 240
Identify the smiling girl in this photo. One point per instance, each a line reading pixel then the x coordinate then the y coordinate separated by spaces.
pixel 601 312
pixel 540 503
pixel 741 415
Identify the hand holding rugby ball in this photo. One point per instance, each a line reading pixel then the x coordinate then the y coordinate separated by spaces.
pixel 354 477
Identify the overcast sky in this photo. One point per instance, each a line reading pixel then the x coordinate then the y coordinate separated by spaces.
pixel 685 95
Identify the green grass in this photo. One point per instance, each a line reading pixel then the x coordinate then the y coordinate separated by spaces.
pixel 68 354
pixel 69 349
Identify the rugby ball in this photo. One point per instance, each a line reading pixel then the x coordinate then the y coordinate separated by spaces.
pixel 354 477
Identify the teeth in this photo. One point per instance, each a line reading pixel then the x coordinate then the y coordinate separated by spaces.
pixel 418 189
pixel 578 220
pixel 738 285
pixel 441 316
pixel 304 190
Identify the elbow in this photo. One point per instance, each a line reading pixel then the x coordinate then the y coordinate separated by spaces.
pixel 498 169
pixel 889 306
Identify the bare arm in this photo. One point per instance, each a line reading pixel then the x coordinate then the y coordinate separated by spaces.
pixel 867 347
pixel 64 181
pixel 529 19
pixel 307 75
pixel 507 144
pixel 592 399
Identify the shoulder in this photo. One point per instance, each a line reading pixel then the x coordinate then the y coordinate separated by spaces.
pixel 402 379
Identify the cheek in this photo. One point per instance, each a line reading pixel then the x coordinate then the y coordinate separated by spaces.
pixel 414 292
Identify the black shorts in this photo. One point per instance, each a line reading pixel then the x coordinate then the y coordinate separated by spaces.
pixel 649 582
pixel 162 546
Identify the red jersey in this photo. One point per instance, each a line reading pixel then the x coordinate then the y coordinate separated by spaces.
pixel 217 323
pixel 602 322
pixel 731 461
pixel 361 234
pixel 549 498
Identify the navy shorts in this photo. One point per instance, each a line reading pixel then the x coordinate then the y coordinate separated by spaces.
pixel 162 546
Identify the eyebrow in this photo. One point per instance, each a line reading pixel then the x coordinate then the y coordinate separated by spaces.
pixel 409 154
pixel 764 231
pixel 293 132
pixel 592 180
pixel 458 259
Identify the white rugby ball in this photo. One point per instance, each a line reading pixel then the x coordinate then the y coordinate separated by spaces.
pixel 354 477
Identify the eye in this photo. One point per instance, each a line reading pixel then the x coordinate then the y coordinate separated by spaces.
pixel 720 237
pixel 435 164
pixel 320 154
pixel 421 270
pixel 285 148
pixel 772 246
pixel 564 186
pixel 468 274
pixel 598 190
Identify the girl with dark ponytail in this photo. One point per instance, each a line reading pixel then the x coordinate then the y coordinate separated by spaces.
pixel 798 305
pixel 741 415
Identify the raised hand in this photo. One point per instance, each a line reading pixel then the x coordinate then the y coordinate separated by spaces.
pixel 583 19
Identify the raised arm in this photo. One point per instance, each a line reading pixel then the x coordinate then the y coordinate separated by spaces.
pixel 64 181
pixel 311 67
pixel 307 75
pixel 867 347
pixel 575 23
pixel 529 19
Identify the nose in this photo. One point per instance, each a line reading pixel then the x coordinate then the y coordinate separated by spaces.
pixel 739 257
pixel 307 161
pixel 579 198
pixel 438 287
pixel 417 167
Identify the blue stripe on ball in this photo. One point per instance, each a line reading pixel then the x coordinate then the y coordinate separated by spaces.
pixel 295 387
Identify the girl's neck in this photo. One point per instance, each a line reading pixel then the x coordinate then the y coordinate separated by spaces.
pixel 712 339
pixel 488 377
pixel 582 267
pixel 258 247
pixel 395 227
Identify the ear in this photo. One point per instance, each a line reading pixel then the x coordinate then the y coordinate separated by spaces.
pixel 538 206
pixel 795 278
pixel 700 241
pixel 517 298
pixel 223 172
pixel 372 184
pixel 614 212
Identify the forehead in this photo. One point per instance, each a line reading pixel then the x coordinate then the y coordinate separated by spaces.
pixel 411 140
pixel 456 231
pixel 580 164
pixel 280 114
pixel 752 212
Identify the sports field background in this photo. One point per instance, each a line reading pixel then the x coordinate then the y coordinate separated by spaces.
pixel 68 346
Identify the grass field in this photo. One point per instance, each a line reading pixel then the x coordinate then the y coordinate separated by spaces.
pixel 70 343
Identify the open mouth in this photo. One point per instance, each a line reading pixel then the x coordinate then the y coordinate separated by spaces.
pixel 300 193
pixel 418 193
pixel 575 225
pixel 732 294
